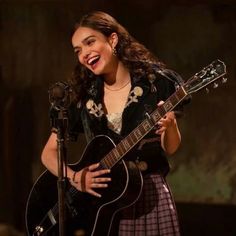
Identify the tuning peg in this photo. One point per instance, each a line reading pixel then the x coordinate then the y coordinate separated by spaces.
pixel 215 85
pixel 224 80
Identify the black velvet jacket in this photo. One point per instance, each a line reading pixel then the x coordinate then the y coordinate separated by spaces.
pixel 89 117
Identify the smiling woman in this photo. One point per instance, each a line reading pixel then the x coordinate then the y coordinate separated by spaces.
pixel 94 50
pixel 116 83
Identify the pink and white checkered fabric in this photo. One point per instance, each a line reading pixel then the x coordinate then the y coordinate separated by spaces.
pixel 154 214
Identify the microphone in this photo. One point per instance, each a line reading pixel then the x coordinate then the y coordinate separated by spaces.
pixel 59 95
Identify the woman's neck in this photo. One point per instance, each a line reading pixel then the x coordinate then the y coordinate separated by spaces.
pixel 117 78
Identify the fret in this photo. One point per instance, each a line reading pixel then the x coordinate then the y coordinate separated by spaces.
pixel 116 153
pixel 103 164
pixel 137 133
pixel 156 116
pixel 130 140
pixel 125 144
pixel 167 106
pixel 133 137
pixel 108 159
pixel 179 95
pixel 174 99
pixel 124 147
pixel 146 125
pixel 161 111
pixel 121 148
pixel 112 158
pixel 141 128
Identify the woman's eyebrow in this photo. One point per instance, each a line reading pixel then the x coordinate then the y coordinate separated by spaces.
pixel 84 41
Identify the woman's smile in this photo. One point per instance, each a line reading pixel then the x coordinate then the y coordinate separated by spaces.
pixel 93 49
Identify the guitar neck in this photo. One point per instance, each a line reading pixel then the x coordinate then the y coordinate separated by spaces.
pixel 118 152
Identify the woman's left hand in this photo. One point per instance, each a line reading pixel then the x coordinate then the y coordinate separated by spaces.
pixel 165 122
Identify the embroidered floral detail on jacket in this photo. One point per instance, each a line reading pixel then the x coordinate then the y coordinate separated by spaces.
pixel 94 109
pixel 134 94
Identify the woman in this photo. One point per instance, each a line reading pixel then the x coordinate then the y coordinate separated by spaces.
pixel 116 83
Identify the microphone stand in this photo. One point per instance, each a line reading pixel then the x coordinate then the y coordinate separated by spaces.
pixel 62 173
pixel 59 97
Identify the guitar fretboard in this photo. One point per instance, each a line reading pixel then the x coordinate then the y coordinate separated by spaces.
pixel 144 128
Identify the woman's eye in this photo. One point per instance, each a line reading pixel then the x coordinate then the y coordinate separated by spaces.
pixel 90 42
pixel 77 52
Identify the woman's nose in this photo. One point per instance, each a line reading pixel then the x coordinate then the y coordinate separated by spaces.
pixel 86 54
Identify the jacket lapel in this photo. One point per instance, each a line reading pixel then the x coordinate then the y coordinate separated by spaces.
pixel 139 91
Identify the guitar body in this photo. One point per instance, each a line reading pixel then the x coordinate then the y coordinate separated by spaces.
pixel 85 213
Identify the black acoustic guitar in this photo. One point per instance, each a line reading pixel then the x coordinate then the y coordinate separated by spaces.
pixel 89 215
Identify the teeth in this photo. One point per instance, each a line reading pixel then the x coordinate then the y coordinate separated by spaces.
pixel 92 60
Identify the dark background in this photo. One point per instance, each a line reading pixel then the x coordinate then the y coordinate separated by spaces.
pixel 35 52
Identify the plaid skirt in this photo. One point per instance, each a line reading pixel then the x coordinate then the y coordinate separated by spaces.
pixel 154 214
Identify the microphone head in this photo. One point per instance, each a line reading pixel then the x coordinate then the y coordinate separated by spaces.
pixel 59 95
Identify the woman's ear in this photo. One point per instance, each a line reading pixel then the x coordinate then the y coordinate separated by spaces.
pixel 113 39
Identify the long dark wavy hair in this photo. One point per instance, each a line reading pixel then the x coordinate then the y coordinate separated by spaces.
pixel 135 56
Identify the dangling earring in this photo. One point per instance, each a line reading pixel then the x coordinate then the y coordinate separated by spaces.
pixel 114 52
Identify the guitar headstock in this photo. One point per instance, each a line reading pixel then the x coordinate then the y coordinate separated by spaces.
pixel 208 75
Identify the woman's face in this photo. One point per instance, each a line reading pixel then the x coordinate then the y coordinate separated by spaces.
pixel 94 50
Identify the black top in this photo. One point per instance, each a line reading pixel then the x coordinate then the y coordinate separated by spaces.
pixel 89 117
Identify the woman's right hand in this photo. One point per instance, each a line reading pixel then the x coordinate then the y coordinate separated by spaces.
pixel 88 179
